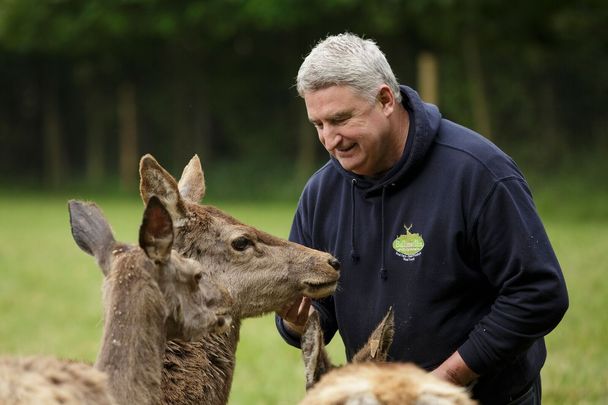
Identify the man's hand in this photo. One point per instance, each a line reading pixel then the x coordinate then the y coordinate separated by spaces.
pixel 295 315
pixel 456 371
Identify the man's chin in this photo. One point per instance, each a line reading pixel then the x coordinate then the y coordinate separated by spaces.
pixel 353 168
pixel 349 164
pixel 356 166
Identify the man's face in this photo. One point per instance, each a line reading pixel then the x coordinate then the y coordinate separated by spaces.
pixel 353 130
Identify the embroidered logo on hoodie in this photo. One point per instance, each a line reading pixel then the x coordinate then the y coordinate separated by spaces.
pixel 408 246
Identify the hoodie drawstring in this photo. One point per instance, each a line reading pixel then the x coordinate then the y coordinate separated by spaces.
pixel 354 255
pixel 353 251
pixel 383 272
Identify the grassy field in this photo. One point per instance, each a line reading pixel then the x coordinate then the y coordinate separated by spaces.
pixel 50 296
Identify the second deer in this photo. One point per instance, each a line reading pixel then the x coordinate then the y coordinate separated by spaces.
pixel 369 379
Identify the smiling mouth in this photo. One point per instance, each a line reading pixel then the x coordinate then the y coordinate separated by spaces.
pixel 344 150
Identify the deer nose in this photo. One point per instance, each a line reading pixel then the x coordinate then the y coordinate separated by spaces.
pixel 333 262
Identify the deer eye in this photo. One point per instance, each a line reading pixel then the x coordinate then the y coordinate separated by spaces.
pixel 198 276
pixel 241 243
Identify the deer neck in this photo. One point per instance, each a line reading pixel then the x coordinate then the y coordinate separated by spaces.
pixel 133 342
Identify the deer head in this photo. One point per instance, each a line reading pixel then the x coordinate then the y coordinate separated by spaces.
pixel 262 272
pixel 191 301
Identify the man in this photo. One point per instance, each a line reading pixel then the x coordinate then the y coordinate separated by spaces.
pixel 430 218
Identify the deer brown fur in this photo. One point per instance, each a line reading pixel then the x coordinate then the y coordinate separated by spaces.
pixel 262 272
pixel 384 384
pixel 369 379
pixel 149 293
pixel 48 380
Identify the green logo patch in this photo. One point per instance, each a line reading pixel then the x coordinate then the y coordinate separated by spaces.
pixel 409 245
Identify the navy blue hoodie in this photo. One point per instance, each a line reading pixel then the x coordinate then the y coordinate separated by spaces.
pixel 451 239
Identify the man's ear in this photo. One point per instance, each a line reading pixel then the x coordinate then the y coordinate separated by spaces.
pixel 387 99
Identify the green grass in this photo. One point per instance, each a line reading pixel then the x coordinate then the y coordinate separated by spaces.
pixel 578 348
pixel 50 295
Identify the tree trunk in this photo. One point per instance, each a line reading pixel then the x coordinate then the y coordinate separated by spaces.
pixel 551 139
pixel 181 127
pixel 127 134
pixel 306 144
pixel 191 116
pixel 53 151
pixel 96 119
pixel 191 122
pixel 428 77
pixel 475 77
pixel 201 139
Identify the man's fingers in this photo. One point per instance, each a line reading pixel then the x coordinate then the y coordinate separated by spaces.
pixel 297 311
pixel 303 311
pixel 290 311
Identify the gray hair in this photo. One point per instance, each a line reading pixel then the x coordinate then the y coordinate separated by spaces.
pixel 348 60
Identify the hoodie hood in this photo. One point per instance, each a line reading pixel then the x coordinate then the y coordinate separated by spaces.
pixel 424 123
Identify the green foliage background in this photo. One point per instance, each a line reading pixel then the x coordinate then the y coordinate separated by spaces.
pixel 86 85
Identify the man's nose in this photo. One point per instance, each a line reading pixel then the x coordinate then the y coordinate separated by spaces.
pixel 330 138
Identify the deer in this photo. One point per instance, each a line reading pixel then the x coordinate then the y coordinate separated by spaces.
pixel 262 273
pixel 370 379
pixel 150 293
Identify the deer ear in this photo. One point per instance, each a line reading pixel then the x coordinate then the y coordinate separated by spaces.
pixel 379 342
pixel 91 231
pixel 156 231
pixel 316 360
pixel 192 183
pixel 385 333
pixel 156 181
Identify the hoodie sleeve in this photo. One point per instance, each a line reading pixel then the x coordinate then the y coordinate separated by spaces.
pixel 300 233
pixel 518 260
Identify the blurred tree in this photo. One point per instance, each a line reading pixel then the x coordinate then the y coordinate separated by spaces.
pixel 215 77
pixel 53 147
pixel 428 77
